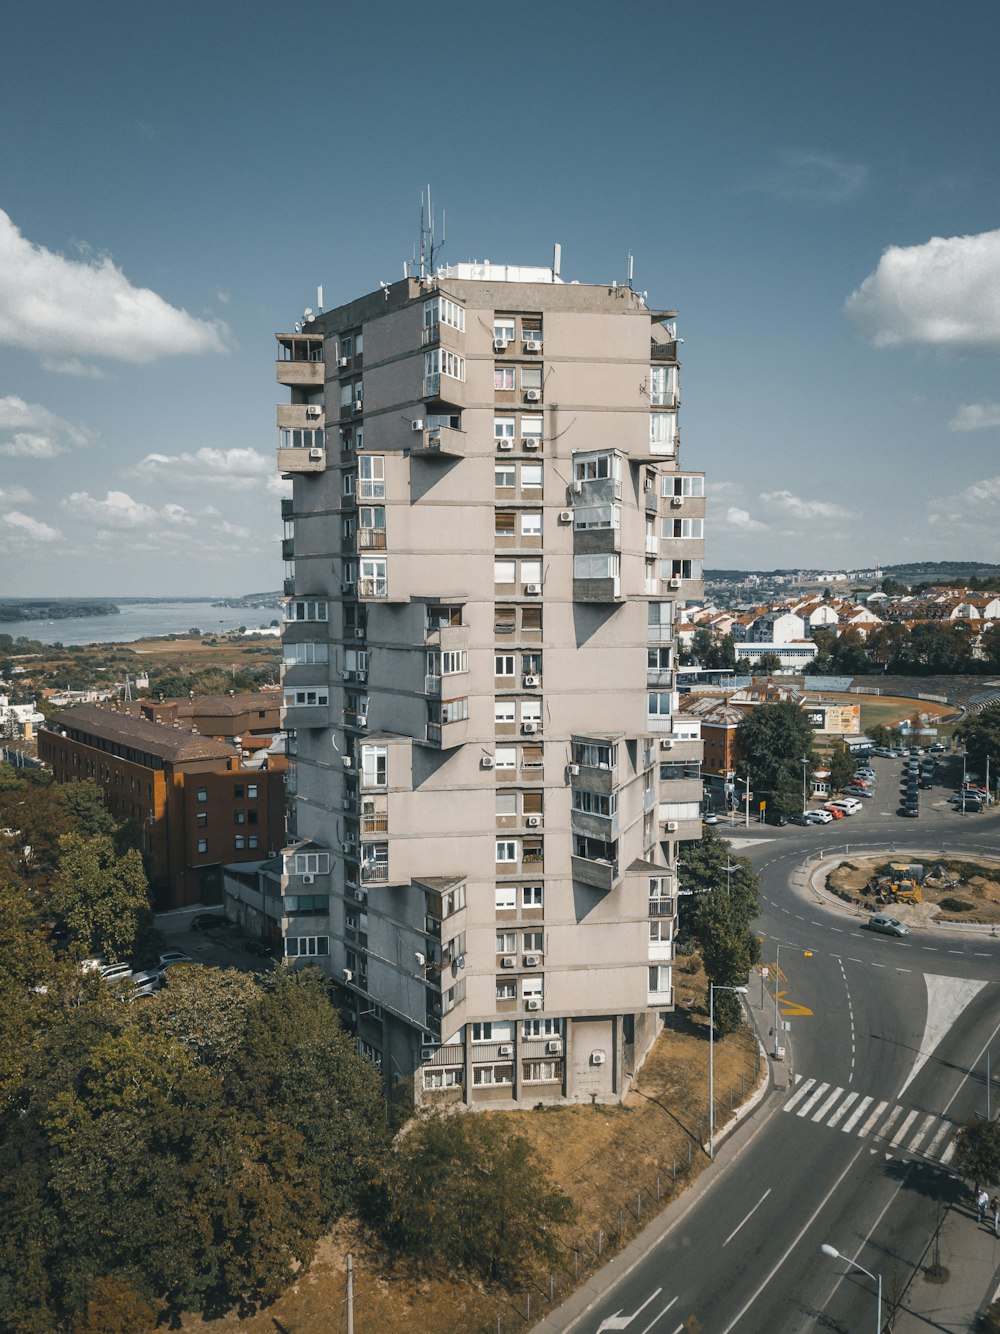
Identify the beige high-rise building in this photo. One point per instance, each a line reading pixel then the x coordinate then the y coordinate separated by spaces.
pixel 488 534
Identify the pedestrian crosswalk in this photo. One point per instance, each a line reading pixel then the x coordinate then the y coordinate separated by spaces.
pixel 900 1129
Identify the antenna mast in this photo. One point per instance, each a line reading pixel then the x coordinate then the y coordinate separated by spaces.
pixel 429 246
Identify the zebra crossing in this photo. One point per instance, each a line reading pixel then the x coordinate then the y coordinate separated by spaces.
pixel 902 1129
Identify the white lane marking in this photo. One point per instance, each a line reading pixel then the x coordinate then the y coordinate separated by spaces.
pixel 947 997
pixel 618 1321
pixel 839 930
pixel 660 1316
pixel 932 1148
pixel 889 1122
pixel 866 1128
pixel 921 1134
pixel 799 1093
pixel 818 1116
pixel 748 1217
pixel 812 1100
pixel 900 1134
pixel 856 1115
pixel 949 1153
pixel 877 965
pixel 834 1120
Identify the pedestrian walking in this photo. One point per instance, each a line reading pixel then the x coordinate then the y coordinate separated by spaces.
pixel 995 1206
pixel 982 1200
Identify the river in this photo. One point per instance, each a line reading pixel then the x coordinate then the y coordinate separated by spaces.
pixel 142 620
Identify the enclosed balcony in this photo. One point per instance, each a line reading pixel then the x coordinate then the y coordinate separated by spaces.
pixel 300 360
pixel 300 416
pixel 305 707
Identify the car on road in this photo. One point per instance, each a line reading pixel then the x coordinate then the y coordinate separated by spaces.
pixel 938 747
pixel 710 817
pixel 818 817
pixel 912 812
pixel 204 921
pixel 888 926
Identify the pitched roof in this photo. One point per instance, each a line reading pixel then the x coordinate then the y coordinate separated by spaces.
pixel 166 742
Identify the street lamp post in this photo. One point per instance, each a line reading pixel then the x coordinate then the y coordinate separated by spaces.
pixel 834 1254
pixel 712 989
pixel 805 770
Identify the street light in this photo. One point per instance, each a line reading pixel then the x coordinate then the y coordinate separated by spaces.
pixel 730 868
pixel 834 1254
pixel 712 989
pixel 805 770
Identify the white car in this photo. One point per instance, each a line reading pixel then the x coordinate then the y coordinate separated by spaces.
pixel 819 817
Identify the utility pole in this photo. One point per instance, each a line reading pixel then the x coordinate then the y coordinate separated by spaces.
pixel 350 1293
pixel 746 800
pixel 777 974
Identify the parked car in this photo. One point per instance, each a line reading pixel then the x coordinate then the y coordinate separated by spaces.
pixel 151 977
pixel 835 812
pixel 884 751
pixel 938 747
pixel 911 811
pixel 779 821
pixel 204 921
pixel 818 817
pixel 801 819
pixel 865 772
pixel 888 926
pixel 852 790
pixel 174 956
pixel 116 972
pixel 847 805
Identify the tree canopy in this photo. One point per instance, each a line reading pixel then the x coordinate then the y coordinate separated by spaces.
pixel 774 739
pixel 980 733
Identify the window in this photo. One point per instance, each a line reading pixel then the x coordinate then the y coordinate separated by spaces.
pixel 663 386
pixel 371 472
pixel 201 819
pixel 374 766
pixel 253 841
pixel 659 978
pixel 541 1028
pixel 680 569
pixel 531 896
pixel 203 845
pixel 493 1074
pixel 203 794
pixel 504 571
pixel 597 516
pixel 305 611
pixel 658 659
pixel 663 432
pixel 505 476
pixel 308 863
pixel 453 900
pixel 683 527
pixel 504 523
pixel 506 989
pixel 503 378
pixel 295 655
pixel 533 942
pixel 531 664
pixel 542 1072
pixel 454 661
pixel 531 427
pixel 443 1077
pixel 439 310
pixel 490 1032
pixel 531 572
pixel 306 698
pixel 531 377
pixel 531 619
pixel 439 618
pixel 503 712
pixel 596 566
pixel 532 987
pixel 300 946
pixel 312 438
pixel 506 805
pixel 505 757
pixel 658 703
pixel 503 664
pixel 503 427
pixel 239 817
pixel 595 803
pixel 660 930
pixel 373 579
pixel 504 328
pixel 506 942
pixel 239 842
pixel 506 850
pixel 531 711
pixel 506 898
pixel 531 476
pixel 442 361
pixel 531 523
pixel 674 485
pixel 594 467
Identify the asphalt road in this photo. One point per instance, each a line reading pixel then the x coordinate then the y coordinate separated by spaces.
pixel 885 1058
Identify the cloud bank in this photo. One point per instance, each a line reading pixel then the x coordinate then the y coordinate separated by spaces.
pixel 236 469
pixel 33 432
pixel 975 417
pixel 945 293
pixel 63 310
pixel 798 508
pixel 28 528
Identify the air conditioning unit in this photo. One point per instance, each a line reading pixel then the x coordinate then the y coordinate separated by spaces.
pixel 677 501
pixel 573 770
pixel 358 404
pixel 532 680
pixel 343 363
pixel 427 1053
pixel 532 345
pixel 672 826
pixel 347 761
pixel 316 455
pixel 345 676
pixel 361 895
pixel 577 486
pixel 533 395
pixel 531 442
pixel 565 516
pixel 505 1049
pixel 666 743
pixel 529 729
pixel 508 961
pixel 554 1047
pixel 597 1058
pixel 500 345
pixel 534 821
pixel 313 411
pixel 359 632
pixel 673 583
pixel 417 424
pixel 346 803
pixel 533 1003
pixel 505 446
pixel 486 762
pixel 349 848
pixel 533 589
pixel 308 879
pixel 348 975
pixel 531 961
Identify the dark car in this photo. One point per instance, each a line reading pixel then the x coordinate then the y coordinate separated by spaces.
pixel 799 819
pixel 779 820
pixel 206 920
pixel 912 811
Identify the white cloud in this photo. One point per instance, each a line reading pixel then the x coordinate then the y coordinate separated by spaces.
pixel 63 309
pixel 986 492
pixel 812 178
pixel 944 293
pixel 236 469
pixel 794 505
pixel 975 417
pixel 33 432
pixel 24 525
pixel 741 520
pixel 15 495
pixel 117 510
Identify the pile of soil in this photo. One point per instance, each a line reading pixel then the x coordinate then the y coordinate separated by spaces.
pixel 954 889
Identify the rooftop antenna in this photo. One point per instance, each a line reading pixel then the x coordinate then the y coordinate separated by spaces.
pixel 128 688
pixel 630 266
pixel 430 247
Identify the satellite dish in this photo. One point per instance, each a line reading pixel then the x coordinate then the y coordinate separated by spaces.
pixel 308 311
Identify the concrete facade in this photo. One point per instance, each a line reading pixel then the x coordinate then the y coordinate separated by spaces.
pixel 488 534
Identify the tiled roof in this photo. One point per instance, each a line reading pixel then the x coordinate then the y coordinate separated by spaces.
pixel 166 742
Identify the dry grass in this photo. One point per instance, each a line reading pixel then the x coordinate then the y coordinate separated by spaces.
pixel 949 878
pixel 602 1156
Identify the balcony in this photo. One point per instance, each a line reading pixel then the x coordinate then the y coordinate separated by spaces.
pixel 375 872
pixel 373 590
pixel 371 539
pixel 661 951
pixel 375 822
pixel 297 717
pixel 597 872
pixel 446 735
pixel 300 416
pixel 662 677
pixel 356 719
pixel 662 1000
pixel 301 460
pixel 663 351
pixel 447 638
pixel 439 442
pixel 603 827
pixel 598 590
pixel 438 388
pixel 296 373
pixel 661 907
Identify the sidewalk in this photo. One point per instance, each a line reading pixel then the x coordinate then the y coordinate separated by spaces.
pixel 971 1254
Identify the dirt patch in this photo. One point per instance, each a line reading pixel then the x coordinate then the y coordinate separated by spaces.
pixel 620 1164
pixel 954 889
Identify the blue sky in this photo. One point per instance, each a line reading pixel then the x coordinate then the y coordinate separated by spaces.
pixel 814 188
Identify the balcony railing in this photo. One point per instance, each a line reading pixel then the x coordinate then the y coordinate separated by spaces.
pixel 375 822
pixel 661 907
pixel 371 539
pixel 373 588
pixel 374 871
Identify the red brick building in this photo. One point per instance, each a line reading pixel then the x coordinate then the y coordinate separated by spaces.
pixel 197 804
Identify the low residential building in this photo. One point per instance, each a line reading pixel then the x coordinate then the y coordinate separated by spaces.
pixel 197 806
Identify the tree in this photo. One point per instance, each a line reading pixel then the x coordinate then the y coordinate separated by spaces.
pixel 774 739
pixel 880 734
pixel 841 765
pixel 768 664
pixel 115 1307
pixel 977 1151
pixel 102 898
pixel 471 1191
pixel 205 1009
pixel 980 733
pixel 84 804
